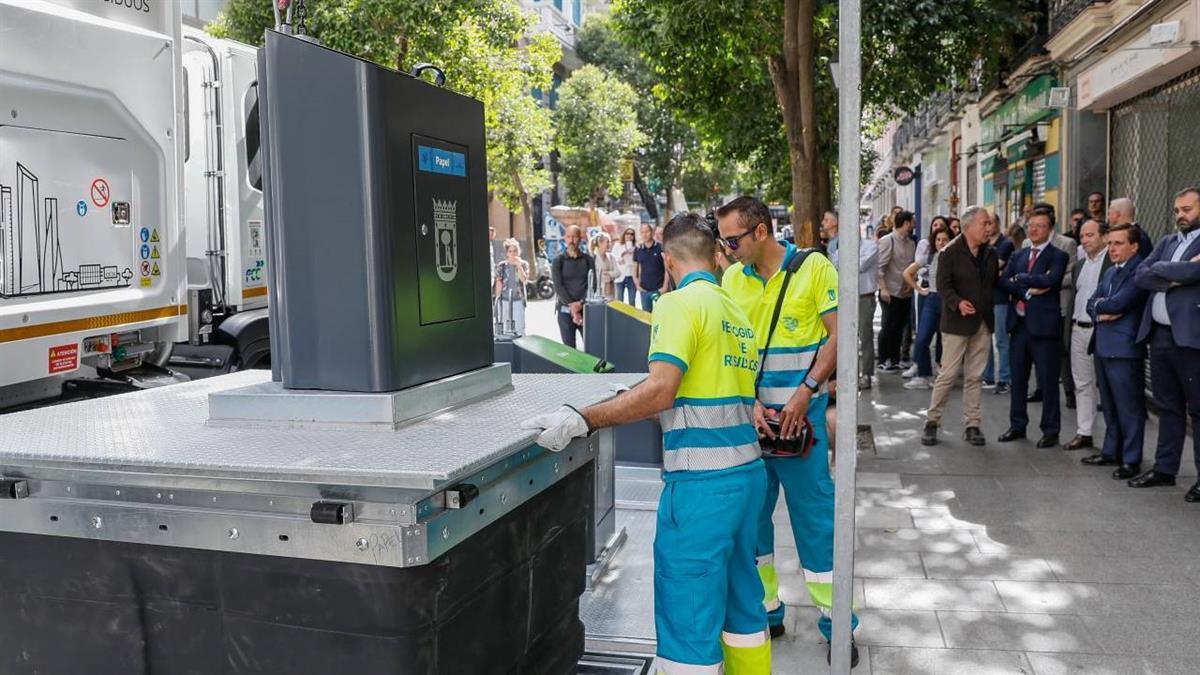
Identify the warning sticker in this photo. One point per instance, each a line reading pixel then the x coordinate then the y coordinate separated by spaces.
pixel 100 193
pixel 154 253
pixel 64 358
pixel 145 282
pixel 154 236
pixel 145 268
pixel 156 271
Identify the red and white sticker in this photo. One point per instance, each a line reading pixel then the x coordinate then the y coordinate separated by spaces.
pixel 100 193
pixel 64 358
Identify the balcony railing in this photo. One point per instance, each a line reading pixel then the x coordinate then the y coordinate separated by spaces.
pixel 1063 11
pixel 926 121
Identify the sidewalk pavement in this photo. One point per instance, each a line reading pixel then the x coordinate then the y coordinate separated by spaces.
pixel 1001 559
pixel 1006 558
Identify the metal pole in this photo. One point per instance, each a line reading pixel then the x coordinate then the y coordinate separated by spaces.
pixel 849 142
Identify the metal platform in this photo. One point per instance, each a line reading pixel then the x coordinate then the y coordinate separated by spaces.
pixel 163 434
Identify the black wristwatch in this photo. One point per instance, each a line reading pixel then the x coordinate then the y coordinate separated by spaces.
pixel 812 384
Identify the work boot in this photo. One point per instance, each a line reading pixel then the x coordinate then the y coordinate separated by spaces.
pixel 974 436
pixel 853 654
pixel 777 631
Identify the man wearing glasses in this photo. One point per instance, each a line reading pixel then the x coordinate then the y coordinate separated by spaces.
pixel 799 359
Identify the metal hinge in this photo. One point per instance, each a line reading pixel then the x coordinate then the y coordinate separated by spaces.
pixel 14 488
pixel 460 495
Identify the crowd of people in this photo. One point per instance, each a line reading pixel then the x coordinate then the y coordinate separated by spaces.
pixel 1076 312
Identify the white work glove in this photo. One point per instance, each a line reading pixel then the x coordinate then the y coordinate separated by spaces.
pixel 559 428
pixel 617 389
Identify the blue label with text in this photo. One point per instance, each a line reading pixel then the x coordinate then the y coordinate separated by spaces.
pixel 436 160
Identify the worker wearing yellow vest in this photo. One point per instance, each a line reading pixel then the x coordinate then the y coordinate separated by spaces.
pixel 703 357
pixel 801 355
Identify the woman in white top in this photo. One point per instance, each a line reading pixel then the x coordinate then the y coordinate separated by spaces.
pixel 510 277
pixel 623 250
pixel 608 271
pixel 922 277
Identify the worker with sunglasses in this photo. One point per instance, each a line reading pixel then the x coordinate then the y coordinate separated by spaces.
pixel 790 296
pixel 708 611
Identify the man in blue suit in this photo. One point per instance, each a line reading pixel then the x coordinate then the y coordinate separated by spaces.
pixel 1117 309
pixel 1033 278
pixel 1171 322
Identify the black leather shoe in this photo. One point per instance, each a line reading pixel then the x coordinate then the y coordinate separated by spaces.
pixel 1035 397
pixel 853 654
pixel 1048 441
pixel 1193 495
pixel 1098 460
pixel 1011 435
pixel 777 631
pixel 930 435
pixel 1152 478
pixel 1070 400
pixel 1126 471
pixel 974 436
pixel 1001 389
pixel 1078 443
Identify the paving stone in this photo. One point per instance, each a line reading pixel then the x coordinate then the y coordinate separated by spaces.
pixel 885 564
pixel 987 566
pixel 1028 632
pixel 943 518
pixel 1120 569
pixel 911 539
pixel 868 479
pixel 882 517
pixel 931 595
pixel 1167 634
pixel 920 661
pixel 898 628
pixel 1140 600
pixel 1093 664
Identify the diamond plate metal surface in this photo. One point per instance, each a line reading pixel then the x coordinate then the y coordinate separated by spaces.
pixel 620 605
pixel 163 432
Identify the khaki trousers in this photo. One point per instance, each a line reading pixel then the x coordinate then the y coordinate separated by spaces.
pixel 957 350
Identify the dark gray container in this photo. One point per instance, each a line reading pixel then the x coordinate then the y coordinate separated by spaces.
pixel 375 192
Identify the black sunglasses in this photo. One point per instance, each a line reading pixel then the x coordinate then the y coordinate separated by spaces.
pixel 733 242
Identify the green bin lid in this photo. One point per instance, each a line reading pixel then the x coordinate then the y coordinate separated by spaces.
pixel 571 360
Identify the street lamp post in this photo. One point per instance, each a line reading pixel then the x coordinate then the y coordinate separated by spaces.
pixel 849 142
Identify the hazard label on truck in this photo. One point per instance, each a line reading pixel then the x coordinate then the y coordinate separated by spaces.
pixel 64 358
pixel 100 193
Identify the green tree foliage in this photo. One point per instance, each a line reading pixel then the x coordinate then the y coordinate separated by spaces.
pixel 597 128
pixel 482 45
pixel 669 139
pixel 753 76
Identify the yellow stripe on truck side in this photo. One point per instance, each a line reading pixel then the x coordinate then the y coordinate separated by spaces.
pixel 89 323
pixel 254 292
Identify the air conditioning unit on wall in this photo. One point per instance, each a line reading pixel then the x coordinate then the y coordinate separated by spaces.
pixel 1058 97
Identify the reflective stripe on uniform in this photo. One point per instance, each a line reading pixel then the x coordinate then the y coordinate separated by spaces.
pixel 761 637
pixel 820 587
pixel 709 458
pixel 776 397
pixel 772 604
pixel 669 667
pixel 763 560
pixel 811 577
pixel 789 358
pixel 716 413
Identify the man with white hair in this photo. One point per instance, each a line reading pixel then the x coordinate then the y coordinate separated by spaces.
pixel 1121 212
pixel 966 276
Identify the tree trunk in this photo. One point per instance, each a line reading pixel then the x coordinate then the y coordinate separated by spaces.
pixel 530 239
pixel 794 79
pixel 824 187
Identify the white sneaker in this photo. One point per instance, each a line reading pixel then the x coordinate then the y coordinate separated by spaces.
pixel 911 372
pixel 918 383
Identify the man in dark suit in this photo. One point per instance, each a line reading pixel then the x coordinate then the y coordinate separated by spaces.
pixel 1171 322
pixel 1117 308
pixel 1033 279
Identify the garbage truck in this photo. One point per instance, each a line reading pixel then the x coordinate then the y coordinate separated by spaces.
pixel 132 251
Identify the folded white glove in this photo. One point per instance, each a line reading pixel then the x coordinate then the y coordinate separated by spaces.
pixel 618 388
pixel 559 428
